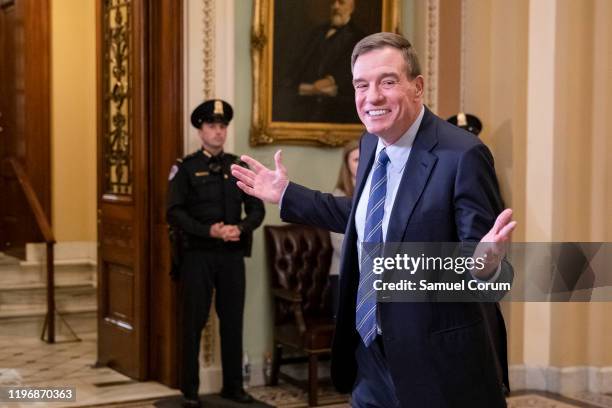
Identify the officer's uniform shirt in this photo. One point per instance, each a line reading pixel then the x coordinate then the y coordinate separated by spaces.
pixel 203 192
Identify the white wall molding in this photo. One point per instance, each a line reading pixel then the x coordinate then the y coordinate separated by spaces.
pixel 539 186
pixel 224 61
pixel 600 380
pixel 198 72
pixel 464 60
pixel 65 253
pixel 209 73
pixel 211 378
pixel 209 61
pixel 565 380
pixel 432 46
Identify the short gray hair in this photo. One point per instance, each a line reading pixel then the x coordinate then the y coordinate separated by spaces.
pixel 384 39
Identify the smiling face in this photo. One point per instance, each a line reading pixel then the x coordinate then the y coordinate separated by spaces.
pixel 387 100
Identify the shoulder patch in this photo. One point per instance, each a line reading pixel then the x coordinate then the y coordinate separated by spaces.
pixel 173 172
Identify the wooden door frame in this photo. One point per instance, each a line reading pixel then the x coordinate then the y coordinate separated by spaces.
pixel 166 145
pixel 38 100
pixel 37 97
pixel 158 116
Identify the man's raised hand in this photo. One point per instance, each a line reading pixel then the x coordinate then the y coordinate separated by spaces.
pixel 261 182
pixel 492 247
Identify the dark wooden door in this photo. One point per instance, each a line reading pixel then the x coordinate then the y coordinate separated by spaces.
pixel 140 134
pixel 123 192
pixel 9 132
pixel 166 136
pixel 24 117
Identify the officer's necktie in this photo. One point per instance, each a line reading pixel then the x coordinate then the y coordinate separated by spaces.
pixel 365 317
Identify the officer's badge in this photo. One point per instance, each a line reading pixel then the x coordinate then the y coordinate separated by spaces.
pixel 173 172
pixel 218 108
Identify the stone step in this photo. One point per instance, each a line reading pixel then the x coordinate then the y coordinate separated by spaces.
pixel 59 284
pixel 8 260
pixel 39 311
pixel 11 275
pixel 82 322
pixel 25 299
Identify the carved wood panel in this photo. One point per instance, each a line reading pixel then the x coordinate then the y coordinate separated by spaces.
pixel 117 86
pixel 123 186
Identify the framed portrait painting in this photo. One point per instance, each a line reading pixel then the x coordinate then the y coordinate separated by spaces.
pixel 301 55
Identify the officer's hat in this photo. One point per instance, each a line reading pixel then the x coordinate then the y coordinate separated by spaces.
pixel 211 111
pixel 466 121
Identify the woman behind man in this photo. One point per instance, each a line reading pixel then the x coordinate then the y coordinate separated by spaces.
pixel 344 187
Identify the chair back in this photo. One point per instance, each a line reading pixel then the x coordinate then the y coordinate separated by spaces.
pixel 298 259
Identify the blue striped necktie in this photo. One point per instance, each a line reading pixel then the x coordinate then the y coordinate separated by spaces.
pixel 365 317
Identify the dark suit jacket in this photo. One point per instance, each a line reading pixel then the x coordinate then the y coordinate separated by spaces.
pixel 439 354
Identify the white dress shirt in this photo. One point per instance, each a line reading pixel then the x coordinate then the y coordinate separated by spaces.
pixel 398 154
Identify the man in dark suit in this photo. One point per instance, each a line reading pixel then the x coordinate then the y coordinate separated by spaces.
pixel 419 179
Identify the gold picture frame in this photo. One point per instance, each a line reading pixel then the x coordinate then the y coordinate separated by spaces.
pixel 321 120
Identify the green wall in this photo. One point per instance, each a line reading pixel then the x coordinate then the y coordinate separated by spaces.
pixel 315 167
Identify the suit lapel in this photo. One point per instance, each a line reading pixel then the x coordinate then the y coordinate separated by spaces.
pixel 414 179
pixel 366 159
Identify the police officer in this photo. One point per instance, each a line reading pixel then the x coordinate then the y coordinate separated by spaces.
pixel 466 121
pixel 206 206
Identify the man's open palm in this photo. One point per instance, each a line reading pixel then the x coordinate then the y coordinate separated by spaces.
pixel 261 182
pixel 492 247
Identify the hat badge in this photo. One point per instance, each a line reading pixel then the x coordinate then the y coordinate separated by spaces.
pixel 461 119
pixel 218 108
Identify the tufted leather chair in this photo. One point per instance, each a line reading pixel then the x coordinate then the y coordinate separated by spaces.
pixel 298 259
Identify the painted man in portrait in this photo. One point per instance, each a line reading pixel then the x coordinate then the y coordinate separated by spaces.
pixel 319 89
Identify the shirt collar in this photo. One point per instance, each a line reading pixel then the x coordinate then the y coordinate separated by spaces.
pixel 399 151
pixel 209 155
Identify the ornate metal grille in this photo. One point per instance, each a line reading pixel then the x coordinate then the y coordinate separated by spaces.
pixel 116 68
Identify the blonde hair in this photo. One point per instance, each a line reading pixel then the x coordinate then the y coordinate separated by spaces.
pixel 345 180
